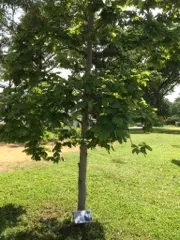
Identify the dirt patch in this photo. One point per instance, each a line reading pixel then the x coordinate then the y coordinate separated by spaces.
pixel 12 157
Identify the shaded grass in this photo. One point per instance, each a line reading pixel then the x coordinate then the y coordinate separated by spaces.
pixel 165 130
pixel 53 229
pixel 131 197
pixel 175 161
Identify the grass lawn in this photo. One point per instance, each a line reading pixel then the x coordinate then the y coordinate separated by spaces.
pixel 131 197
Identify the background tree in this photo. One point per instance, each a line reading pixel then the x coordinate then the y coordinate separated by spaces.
pixel 162 56
pixel 8 10
pixel 165 108
pixel 176 107
pixel 101 43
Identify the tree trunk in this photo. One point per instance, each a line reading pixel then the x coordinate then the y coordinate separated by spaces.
pixel 82 168
pixel 85 124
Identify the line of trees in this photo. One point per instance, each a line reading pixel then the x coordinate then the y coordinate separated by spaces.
pixel 170 111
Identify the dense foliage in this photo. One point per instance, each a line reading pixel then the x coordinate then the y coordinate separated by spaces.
pixel 111 48
pixel 49 38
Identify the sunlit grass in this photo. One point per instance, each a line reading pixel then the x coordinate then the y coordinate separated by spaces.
pixel 131 197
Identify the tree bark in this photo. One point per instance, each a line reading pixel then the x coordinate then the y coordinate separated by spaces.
pixel 85 123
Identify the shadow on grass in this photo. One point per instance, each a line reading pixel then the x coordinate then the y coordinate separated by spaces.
pixel 176 146
pixel 118 161
pixel 17 145
pixel 167 131
pixel 176 162
pixel 10 216
pixel 46 229
pixel 156 130
pixel 65 230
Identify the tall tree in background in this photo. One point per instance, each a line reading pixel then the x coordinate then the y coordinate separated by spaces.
pixel 102 44
pixel 162 81
pixel 165 108
pixel 10 11
pixel 176 107
pixel 163 59
pixel 8 24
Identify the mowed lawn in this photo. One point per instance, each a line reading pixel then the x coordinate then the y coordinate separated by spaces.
pixel 131 197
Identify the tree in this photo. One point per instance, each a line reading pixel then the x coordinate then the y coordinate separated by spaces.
pixel 162 60
pixel 7 27
pixel 99 42
pixel 9 9
pixel 176 107
pixel 165 108
pixel 162 82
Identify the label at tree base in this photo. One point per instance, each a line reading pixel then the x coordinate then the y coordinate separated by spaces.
pixel 82 216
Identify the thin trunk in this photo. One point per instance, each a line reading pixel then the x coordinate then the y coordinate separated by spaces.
pixel 82 168
pixel 85 124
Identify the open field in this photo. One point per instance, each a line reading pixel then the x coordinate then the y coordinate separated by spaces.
pixel 12 157
pixel 131 197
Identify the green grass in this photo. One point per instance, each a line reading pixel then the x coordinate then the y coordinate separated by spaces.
pixel 131 197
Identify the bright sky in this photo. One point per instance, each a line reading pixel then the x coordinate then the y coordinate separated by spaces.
pixel 175 94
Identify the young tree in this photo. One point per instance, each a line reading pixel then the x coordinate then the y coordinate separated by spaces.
pixel 98 42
